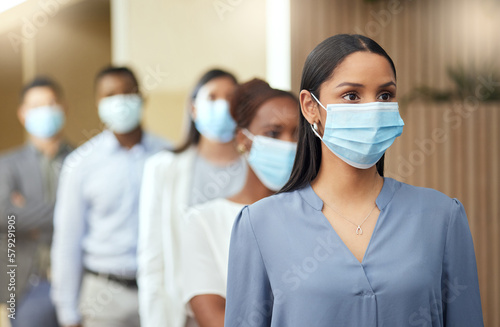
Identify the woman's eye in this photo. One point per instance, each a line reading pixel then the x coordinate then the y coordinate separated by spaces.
pixel 351 97
pixel 273 134
pixel 385 96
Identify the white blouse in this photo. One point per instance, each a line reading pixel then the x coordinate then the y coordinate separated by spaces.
pixel 205 248
pixel 166 193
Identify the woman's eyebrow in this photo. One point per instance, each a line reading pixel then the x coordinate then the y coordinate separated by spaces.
pixel 387 84
pixel 350 84
pixel 276 125
pixel 361 85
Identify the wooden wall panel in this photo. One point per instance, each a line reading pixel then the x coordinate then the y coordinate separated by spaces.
pixel 424 38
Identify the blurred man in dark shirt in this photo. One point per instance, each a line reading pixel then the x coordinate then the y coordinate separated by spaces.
pixel 28 184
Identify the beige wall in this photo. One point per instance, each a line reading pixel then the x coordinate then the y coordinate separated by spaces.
pixel 72 49
pixel 181 40
pixel 11 132
pixel 70 43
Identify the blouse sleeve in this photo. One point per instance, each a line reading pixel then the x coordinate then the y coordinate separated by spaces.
pixel 249 300
pixel 199 263
pixel 459 284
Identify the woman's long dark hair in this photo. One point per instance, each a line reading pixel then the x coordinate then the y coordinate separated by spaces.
pixel 318 68
pixel 193 136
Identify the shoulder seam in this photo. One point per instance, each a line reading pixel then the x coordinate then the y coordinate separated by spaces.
pixel 398 186
pixel 256 241
pixel 448 224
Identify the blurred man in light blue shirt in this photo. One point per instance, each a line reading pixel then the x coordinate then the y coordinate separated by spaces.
pixel 96 215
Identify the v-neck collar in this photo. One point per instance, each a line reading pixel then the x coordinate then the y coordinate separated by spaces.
pixel 385 196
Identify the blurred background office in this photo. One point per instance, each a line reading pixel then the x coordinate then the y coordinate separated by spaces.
pixel 447 55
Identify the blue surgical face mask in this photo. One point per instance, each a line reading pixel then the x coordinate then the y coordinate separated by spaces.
pixel 214 121
pixel 271 160
pixel 121 113
pixel 44 122
pixel 359 134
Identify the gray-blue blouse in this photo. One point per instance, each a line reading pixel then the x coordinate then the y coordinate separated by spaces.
pixel 288 267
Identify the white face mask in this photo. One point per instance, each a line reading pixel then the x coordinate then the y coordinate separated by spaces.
pixel 121 113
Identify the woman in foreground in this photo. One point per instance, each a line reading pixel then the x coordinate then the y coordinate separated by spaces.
pixel 341 245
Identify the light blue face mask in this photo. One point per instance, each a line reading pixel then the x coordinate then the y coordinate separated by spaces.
pixel 214 121
pixel 359 134
pixel 44 122
pixel 271 160
pixel 121 113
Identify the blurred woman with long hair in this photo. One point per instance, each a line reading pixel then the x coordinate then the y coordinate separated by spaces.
pixel 205 167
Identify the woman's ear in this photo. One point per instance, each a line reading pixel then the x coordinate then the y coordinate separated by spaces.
pixel 192 110
pixel 309 107
pixel 243 144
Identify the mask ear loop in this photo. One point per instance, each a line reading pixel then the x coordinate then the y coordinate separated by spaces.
pixel 248 134
pixel 195 103
pixel 314 126
pixel 192 108
pixel 317 100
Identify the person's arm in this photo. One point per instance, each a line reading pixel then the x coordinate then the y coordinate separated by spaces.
pixel 459 284
pixel 30 215
pixel 204 284
pixel 150 274
pixel 249 294
pixel 67 255
pixel 208 310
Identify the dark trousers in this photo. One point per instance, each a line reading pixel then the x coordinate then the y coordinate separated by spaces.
pixel 36 308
